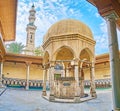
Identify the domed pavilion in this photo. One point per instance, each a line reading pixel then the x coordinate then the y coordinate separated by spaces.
pixel 69 48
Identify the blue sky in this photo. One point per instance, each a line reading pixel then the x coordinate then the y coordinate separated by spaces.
pixel 50 11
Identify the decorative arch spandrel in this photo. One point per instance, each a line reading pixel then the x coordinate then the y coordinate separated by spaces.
pixel 87 54
pixel 64 53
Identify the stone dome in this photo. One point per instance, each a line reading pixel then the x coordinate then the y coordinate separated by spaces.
pixel 67 27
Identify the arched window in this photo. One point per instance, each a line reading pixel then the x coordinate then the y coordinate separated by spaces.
pixel 30 41
pixel 31 37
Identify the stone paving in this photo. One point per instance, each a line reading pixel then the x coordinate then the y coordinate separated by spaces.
pixel 21 100
pixel 2 90
pixel 57 100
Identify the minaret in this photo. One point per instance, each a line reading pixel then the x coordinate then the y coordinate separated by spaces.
pixel 31 28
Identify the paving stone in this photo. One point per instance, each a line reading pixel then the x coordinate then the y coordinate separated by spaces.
pixel 21 100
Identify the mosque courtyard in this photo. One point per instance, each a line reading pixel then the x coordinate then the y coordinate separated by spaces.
pixel 31 100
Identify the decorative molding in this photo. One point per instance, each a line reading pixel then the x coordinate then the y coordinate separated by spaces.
pixel 66 38
pixel 112 16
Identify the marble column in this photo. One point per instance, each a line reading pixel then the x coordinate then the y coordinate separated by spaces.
pixel 1 71
pixel 51 71
pixel 44 82
pixel 114 60
pixel 27 75
pixel 92 81
pixel 77 88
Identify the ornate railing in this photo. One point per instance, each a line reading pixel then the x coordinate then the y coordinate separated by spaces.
pixel 100 83
pixel 65 78
pixel 22 82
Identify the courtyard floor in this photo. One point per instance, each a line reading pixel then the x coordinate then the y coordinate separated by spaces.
pixel 22 100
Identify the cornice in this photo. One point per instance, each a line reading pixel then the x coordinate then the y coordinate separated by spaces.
pixel 66 38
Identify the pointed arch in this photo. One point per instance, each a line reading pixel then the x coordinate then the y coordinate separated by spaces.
pixel 86 54
pixel 64 53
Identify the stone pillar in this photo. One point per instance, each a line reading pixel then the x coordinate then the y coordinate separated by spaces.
pixel 81 82
pixel 92 81
pixel 27 75
pixel 64 71
pixel 1 71
pixel 114 60
pixel 67 72
pixel 51 71
pixel 77 88
pixel 44 82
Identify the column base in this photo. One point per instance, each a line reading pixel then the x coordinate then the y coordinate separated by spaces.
pixel 118 109
pixel 82 95
pixel 76 99
pixel 2 86
pixel 27 87
pixel 44 93
pixel 51 97
pixel 93 94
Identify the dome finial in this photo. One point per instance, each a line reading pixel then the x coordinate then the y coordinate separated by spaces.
pixel 33 5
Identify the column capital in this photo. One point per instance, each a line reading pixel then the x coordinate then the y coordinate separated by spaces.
pixel 52 64
pixel 111 17
pixel 81 68
pixel 76 61
pixel 2 60
pixel 28 62
pixel 44 66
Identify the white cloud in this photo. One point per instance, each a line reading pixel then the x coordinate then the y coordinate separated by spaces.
pixel 103 26
pixel 47 13
pixel 102 39
pixel 21 38
pixel 97 15
pixel 50 11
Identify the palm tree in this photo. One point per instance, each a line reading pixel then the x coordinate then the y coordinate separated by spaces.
pixel 38 52
pixel 15 47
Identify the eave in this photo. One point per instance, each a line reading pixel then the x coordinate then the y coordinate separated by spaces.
pixel 8 12
pixel 2 49
pixel 106 7
pixel 21 58
pixel 103 58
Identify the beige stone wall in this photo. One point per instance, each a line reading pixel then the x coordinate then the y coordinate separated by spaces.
pixel 64 89
pixel 102 71
pixel 86 74
pixel 18 70
pixel 36 73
